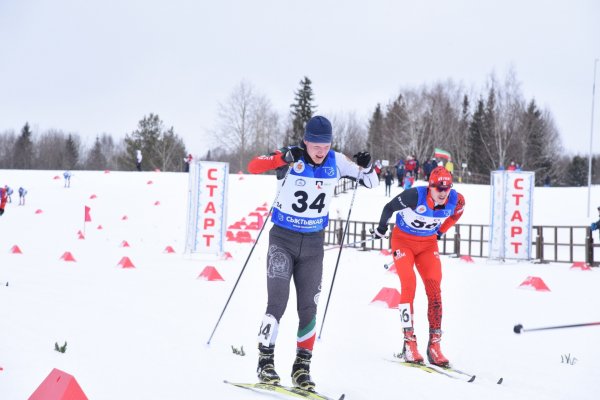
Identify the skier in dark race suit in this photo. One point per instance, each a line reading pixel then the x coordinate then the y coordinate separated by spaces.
pixel 424 215
pixel 300 215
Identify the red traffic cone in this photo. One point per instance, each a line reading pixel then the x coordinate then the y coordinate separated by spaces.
pixel 126 263
pixel 388 297
pixel 58 385
pixel 534 283
pixel 67 256
pixel 581 265
pixel 210 273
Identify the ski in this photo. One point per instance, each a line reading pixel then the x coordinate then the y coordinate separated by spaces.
pixel 448 371
pixel 432 369
pixel 283 390
pixel 467 374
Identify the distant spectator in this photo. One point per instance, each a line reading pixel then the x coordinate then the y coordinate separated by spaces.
pixel 378 169
pixel 450 167
pixel 547 181
pixel 408 181
pixel 411 166
pixel 400 171
pixel 417 169
pixel 67 175
pixel 138 160
pixel 9 193
pixel 389 179
pixel 428 166
pixel 596 225
pixel 188 160
pixel 22 194
pixel 3 199
pixel 512 166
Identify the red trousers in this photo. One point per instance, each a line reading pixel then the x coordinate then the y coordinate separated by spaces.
pixel 422 252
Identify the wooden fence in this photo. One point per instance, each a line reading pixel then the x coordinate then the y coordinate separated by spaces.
pixel 566 244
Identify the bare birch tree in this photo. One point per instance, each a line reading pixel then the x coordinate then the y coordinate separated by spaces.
pixel 246 121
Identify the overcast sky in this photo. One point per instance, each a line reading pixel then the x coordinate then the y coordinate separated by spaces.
pixel 99 66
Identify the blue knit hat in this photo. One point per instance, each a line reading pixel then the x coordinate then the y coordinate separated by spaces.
pixel 318 130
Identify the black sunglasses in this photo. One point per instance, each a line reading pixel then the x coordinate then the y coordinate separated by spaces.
pixel 441 188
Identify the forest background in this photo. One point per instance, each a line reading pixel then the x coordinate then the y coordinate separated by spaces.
pixel 482 130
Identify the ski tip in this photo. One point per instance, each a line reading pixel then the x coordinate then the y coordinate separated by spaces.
pixel 342 397
pixel 500 381
pixel 471 379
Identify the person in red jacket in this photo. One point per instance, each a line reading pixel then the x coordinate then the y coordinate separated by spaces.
pixel 3 199
pixel 424 215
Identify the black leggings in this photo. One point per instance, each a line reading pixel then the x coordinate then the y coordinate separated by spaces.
pixel 297 255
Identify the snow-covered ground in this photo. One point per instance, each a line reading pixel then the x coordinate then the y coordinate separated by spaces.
pixel 141 333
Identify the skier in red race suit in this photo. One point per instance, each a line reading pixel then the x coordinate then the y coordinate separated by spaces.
pixel 424 215
pixel 307 176
pixel 3 199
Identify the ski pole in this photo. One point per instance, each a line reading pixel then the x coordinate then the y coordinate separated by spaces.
pixel 519 328
pixel 339 253
pixel 248 258
pixel 350 244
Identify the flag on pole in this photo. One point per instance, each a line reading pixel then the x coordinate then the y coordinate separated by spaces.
pixel 440 153
pixel 88 217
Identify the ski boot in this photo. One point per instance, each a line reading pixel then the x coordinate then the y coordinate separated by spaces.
pixel 266 365
pixel 301 370
pixel 434 353
pixel 409 350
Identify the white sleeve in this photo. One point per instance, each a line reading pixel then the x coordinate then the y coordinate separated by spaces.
pixel 349 169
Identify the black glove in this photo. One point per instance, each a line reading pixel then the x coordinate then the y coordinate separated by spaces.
pixel 363 159
pixel 291 154
pixel 440 235
pixel 1 211
pixel 378 233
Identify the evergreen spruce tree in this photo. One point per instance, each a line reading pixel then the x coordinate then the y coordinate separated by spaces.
pixel 476 139
pixel 375 133
pixel 71 153
pixel 460 151
pixel 161 149
pixel 538 144
pixel 302 111
pixel 490 135
pixel 390 142
pixel 23 150
pixel 96 160
pixel 577 172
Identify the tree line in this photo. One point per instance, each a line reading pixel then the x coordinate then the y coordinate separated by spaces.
pixel 483 131
pixel 54 149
